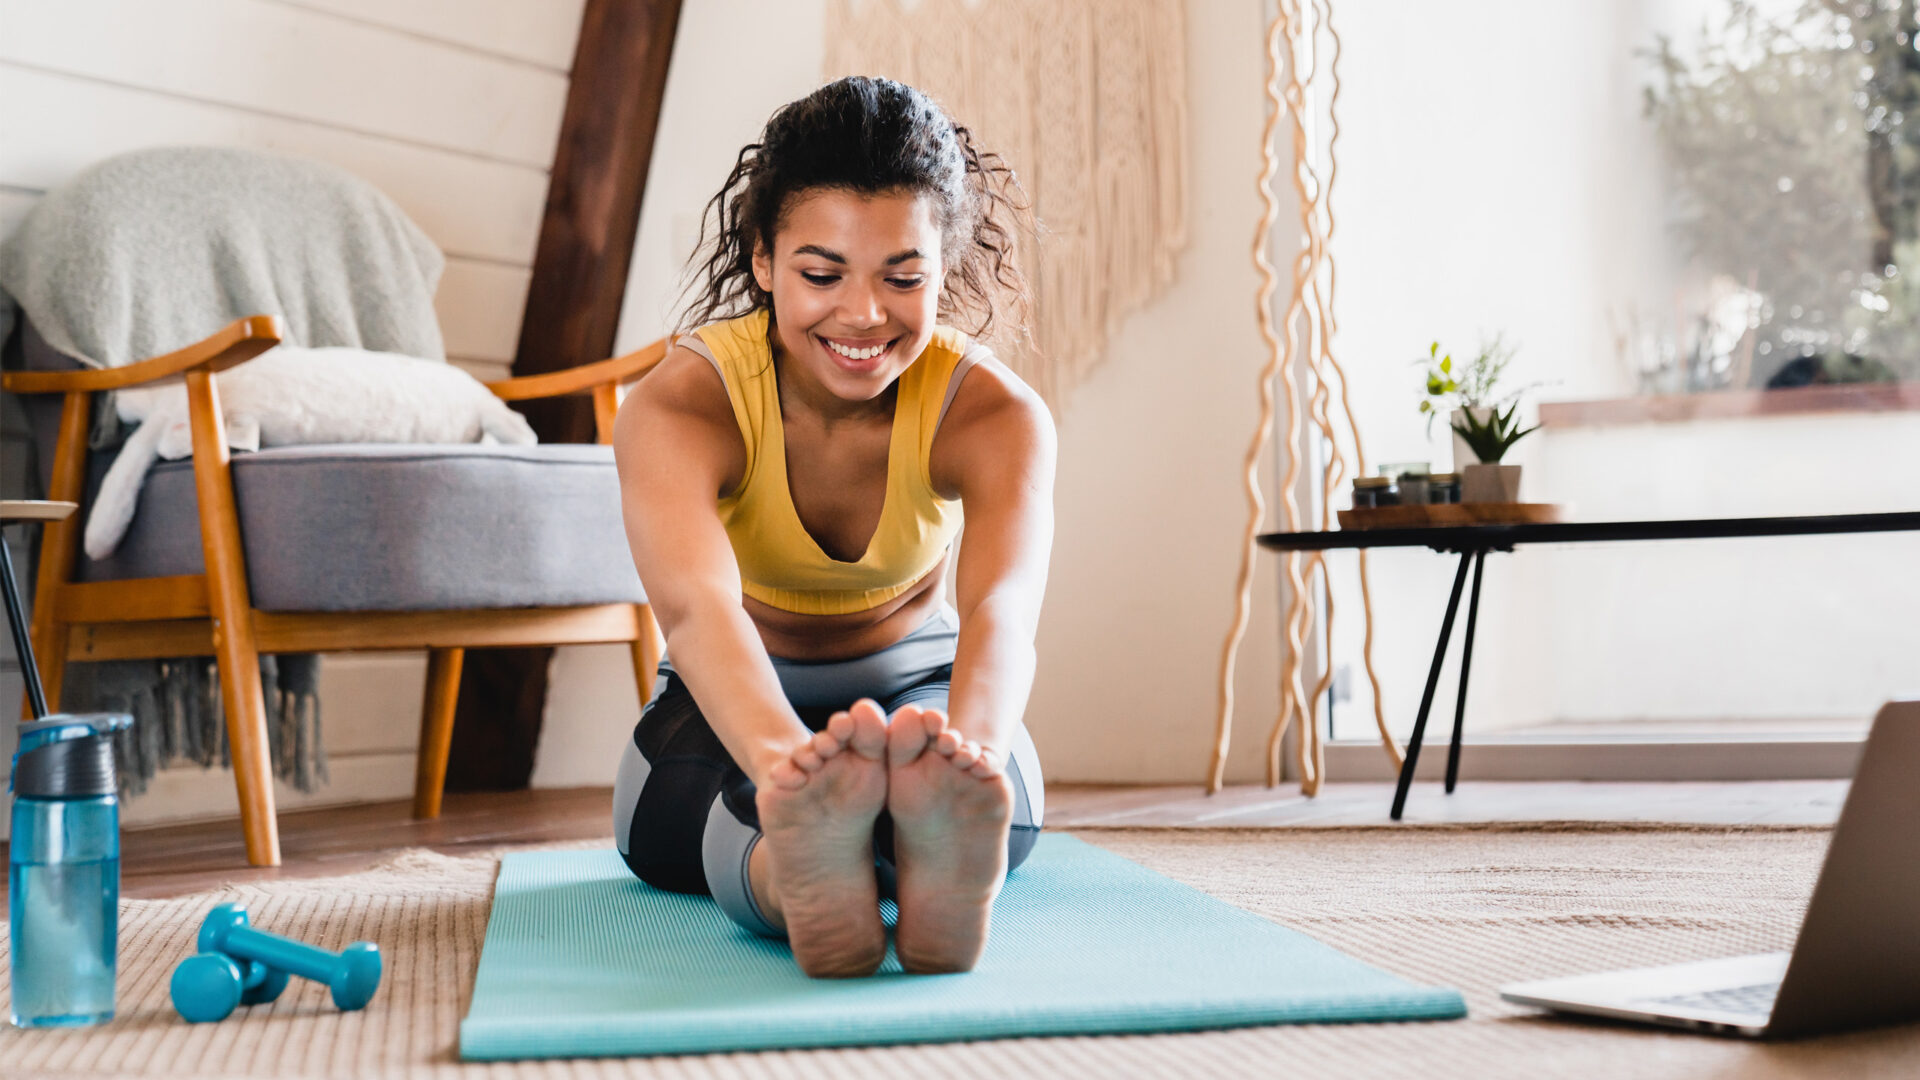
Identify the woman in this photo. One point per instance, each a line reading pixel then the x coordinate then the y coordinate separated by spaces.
pixel 827 728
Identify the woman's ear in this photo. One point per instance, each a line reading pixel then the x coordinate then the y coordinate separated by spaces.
pixel 763 267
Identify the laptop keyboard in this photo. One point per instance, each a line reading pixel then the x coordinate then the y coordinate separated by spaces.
pixel 1756 999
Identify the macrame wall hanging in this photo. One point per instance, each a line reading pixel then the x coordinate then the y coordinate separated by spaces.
pixel 1087 101
pixel 1300 354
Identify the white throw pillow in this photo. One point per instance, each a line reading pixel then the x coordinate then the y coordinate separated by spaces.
pixel 291 396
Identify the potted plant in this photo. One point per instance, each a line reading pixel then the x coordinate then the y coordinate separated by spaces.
pixel 1483 421
pixel 1489 436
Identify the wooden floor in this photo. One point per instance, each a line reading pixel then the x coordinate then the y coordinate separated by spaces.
pixel 177 859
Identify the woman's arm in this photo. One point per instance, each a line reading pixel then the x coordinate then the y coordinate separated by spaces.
pixel 996 452
pixel 678 448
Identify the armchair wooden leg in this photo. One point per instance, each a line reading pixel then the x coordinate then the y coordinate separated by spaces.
pixel 50 642
pixel 59 545
pixel 646 654
pixel 436 729
pixel 246 708
pixel 233 641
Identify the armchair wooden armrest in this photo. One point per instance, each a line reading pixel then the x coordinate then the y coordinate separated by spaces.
pixel 239 341
pixel 601 378
pixel 573 380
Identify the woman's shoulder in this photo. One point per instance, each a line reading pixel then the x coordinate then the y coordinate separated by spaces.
pixel 993 416
pixel 686 384
pixel 740 334
pixel 989 389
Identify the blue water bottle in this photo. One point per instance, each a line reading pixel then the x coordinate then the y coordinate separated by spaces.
pixel 63 889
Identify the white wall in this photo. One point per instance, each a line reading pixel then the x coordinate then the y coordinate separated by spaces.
pixel 452 108
pixel 1149 504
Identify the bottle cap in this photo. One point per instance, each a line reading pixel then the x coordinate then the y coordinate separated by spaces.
pixel 68 757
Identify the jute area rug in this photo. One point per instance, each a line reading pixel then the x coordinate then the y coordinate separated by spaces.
pixel 1469 907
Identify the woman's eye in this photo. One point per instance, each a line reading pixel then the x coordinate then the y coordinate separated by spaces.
pixel 906 282
pixel 820 279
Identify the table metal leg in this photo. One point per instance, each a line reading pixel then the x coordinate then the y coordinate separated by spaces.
pixel 1466 665
pixel 1433 680
pixel 17 624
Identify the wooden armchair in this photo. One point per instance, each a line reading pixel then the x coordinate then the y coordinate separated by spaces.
pixel 213 613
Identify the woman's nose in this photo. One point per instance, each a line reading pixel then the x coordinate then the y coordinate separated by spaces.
pixel 860 308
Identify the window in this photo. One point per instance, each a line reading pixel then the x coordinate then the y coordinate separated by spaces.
pixel 1700 224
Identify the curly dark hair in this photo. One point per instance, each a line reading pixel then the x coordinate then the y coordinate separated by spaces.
pixel 869 136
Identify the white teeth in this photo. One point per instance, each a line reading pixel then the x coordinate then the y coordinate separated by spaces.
pixel 855 354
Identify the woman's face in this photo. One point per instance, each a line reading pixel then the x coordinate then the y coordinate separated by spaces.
pixel 855 281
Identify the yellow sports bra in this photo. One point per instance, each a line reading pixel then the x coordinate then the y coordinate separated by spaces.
pixel 781 565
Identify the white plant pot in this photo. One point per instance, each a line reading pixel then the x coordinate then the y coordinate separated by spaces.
pixel 1463 454
pixel 1490 483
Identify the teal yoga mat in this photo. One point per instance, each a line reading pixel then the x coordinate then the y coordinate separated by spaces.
pixel 581 959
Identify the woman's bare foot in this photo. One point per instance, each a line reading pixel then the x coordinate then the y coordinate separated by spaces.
pixel 951 804
pixel 813 872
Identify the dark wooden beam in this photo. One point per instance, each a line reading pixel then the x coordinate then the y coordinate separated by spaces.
pixel 573 311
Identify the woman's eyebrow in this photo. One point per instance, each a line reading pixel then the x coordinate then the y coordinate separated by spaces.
pixel 834 256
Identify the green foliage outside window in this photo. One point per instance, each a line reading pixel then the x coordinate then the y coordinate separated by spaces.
pixel 1794 145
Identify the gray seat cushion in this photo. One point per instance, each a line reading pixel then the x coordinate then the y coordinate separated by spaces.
pixel 374 527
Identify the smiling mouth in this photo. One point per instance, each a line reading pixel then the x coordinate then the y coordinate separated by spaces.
pixel 858 355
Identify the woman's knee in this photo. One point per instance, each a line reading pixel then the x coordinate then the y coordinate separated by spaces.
pixel 726 851
pixel 669 773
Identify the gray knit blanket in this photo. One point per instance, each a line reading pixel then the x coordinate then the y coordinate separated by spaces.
pixel 154 250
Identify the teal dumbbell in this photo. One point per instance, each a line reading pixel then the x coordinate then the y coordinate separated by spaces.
pixel 209 986
pixel 353 974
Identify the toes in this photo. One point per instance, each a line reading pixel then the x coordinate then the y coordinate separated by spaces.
pixel 869 730
pixel 807 759
pixel 826 744
pixel 906 736
pixel 947 742
pixel 841 726
pixel 966 755
pixel 989 765
pixel 788 776
pixel 906 716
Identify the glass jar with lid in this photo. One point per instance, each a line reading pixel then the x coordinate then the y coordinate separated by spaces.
pixel 1373 492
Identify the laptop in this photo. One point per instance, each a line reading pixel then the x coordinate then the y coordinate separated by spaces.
pixel 1856 962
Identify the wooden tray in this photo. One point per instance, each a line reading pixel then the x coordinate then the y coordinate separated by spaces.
pixel 1422 517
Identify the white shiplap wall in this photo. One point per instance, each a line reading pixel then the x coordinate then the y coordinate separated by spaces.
pixel 452 107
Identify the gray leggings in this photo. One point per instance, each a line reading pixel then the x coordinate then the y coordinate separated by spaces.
pixel 683 812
